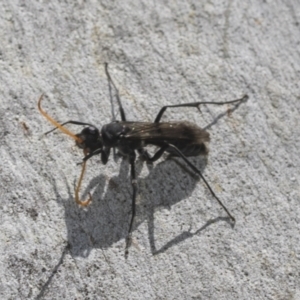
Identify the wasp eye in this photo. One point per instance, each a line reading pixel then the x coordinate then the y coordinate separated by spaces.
pixel 92 130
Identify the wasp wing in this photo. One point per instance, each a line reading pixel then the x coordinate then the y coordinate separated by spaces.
pixel 168 131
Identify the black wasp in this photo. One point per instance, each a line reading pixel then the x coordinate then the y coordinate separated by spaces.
pixel 180 138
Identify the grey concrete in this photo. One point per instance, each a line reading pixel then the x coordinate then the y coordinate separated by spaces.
pixel 158 53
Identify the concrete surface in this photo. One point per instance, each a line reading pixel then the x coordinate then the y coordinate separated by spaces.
pixel 158 53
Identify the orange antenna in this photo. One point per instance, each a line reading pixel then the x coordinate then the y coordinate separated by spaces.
pixel 56 124
pixel 78 140
pixel 78 201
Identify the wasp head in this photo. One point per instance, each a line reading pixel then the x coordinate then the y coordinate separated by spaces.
pixel 90 139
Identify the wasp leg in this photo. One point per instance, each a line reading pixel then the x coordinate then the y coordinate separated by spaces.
pixel 155 157
pixel 69 122
pixel 133 204
pixel 98 151
pixel 122 112
pixel 202 177
pixel 196 104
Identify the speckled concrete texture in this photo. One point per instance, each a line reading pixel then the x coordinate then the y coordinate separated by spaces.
pixel 159 53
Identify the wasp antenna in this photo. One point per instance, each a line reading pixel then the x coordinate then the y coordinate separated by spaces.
pixel 78 201
pixel 56 124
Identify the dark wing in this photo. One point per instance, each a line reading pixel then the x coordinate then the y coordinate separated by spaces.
pixel 170 131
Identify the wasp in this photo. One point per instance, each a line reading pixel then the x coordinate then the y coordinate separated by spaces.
pixel 182 139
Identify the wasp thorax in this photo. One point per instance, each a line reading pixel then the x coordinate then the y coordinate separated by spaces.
pixel 111 133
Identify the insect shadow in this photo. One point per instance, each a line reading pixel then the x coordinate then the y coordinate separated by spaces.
pixel 105 221
pixel 180 139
